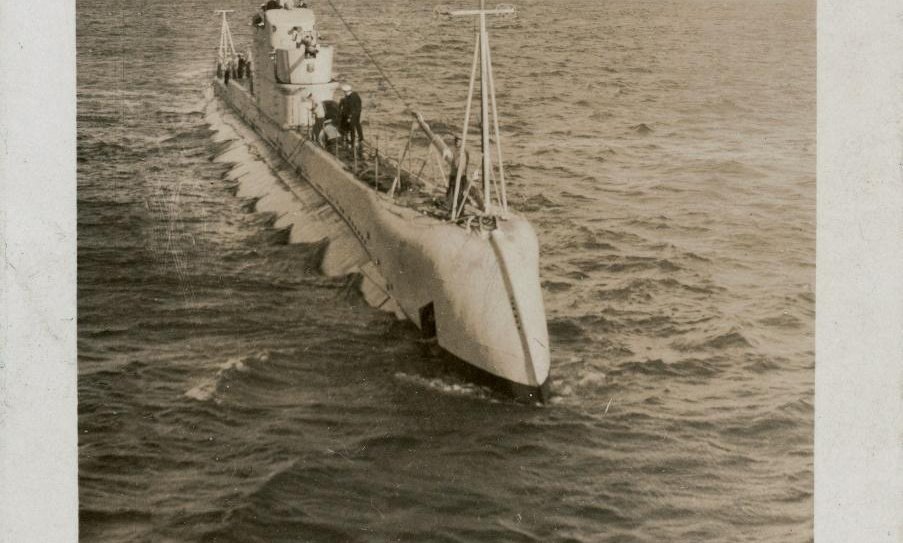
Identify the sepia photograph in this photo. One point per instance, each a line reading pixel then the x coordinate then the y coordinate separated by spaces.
pixel 451 271
pixel 361 270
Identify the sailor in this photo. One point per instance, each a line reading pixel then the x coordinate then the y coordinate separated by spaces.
pixel 250 73
pixel 333 111
pixel 460 161
pixel 317 111
pixel 310 46
pixel 228 72
pixel 242 63
pixel 351 116
pixel 257 20
pixel 329 136
pixel 295 35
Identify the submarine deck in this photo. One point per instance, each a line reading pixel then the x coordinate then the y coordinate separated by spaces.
pixel 391 176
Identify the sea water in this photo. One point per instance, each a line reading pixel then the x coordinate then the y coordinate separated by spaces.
pixel 664 151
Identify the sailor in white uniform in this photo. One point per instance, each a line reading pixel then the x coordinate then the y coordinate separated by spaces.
pixel 316 112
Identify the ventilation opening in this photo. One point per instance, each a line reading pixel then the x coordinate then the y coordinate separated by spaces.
pixel 428 321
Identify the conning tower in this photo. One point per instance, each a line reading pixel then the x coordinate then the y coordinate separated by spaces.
pixel 289 62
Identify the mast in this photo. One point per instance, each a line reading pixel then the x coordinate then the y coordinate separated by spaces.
pixel 487 104
pixel 226 45
pixel 484 108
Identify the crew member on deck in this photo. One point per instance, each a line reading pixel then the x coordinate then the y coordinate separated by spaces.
pixel 310 46
pixel 242 64
pixel 460 161
pixel 249 71
pixel 228 71
pixel 351 116
pixel 296 36
pixel 329 136
pixel 317 112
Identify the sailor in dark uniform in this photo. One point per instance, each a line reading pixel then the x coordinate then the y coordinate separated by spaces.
pixel 351 116
pixel 240 70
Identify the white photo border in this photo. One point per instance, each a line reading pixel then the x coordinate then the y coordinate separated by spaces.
pixel 859 322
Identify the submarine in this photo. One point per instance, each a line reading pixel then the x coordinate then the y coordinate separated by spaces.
pixel 463 268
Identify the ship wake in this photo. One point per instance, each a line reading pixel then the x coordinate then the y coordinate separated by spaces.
pixel 261 176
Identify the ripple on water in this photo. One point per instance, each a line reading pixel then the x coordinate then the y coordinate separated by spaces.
pixel 235 394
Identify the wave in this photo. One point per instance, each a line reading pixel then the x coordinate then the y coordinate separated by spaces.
pixel 556 286
pixel 463 389
pixel 730 340
pixel 783 320
pixel 594 245
pixel 765 426
pixel 624 264
pixel 578 197
pixel 88 516
pixel 797 408
pixel 538 202
pixel 208 387
pixel 733 168
pixel 691 367
pixel 599 116
pixel 392 442
pixel 565 329
pixel 642 289
pixel 725 341
pixel 93 149
pixel 762 365
pixel 674 283
pixel 194 134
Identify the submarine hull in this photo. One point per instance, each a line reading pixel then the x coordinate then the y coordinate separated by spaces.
pixel 477 292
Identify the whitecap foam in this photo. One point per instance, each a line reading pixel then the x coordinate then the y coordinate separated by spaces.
pixel 206 389
pixel 447 387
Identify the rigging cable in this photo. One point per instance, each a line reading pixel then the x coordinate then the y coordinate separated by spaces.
pixel 370 56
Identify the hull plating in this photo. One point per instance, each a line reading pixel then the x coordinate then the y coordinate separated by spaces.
pixel 478 292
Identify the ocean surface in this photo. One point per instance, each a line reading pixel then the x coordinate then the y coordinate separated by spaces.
pixel 664 151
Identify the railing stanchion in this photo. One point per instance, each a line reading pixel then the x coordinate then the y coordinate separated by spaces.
pixel 404 153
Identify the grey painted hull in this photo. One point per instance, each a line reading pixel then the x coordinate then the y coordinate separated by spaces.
pixel 478 292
